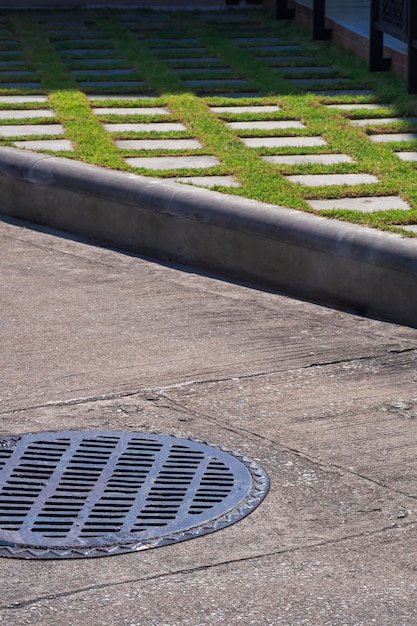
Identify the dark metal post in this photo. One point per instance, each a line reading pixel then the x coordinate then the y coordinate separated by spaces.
pixel 377 62
pixel 412 47
pixel 283 12
pixel 319 19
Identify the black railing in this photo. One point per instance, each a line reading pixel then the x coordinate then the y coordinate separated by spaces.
pixel 319 17
pixel 399 19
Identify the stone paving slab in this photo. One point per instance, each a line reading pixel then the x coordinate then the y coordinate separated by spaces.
pixel 103 72
pixel 121 96
pixel 181 50
pixel 22 99
pixel 85 51
pixel 10 130
pixel 201 70
pixel 229 94
pixel 174 162
pixel 407 156
pixel 111 83
pixel 19 85
pixel 315 180
pixel 297 159
pixel 203 82
pixel 283 142
pixel 324 81
pixel 46 144
pixel 191 60
pixel 302 69
pixel 262 108
pixel 130 110
pixel 278 48
pixel 285 59
pixel 158 144
pixel 372 121
pixel 158 127
pixel 14 63
pixel 356 106
pixel 343 92
pixel 102 43
pixel 26 113
pixel 389 137
pixel 95 62
pixel 9 53
pixel 163 42
pixel 257 41
pixel 365 204
pixel 209 181
pixel 266 125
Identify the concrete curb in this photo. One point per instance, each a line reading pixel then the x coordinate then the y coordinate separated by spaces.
pixel 337 263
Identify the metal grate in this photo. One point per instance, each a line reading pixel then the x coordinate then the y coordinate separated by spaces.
pixel 95 493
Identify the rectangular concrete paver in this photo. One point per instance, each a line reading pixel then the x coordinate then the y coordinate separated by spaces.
pixel 22 99
pixel 157 127
pixel 277 48
pixel 313 180
pixel 86 52
pixel 158 144
pixel 283 142
pixel 266 125
pixel 356 106
pixel 10 130
pixel 192 60
pixel 342 92
pixel 373 121
pixel 389 137
pixel 262 108
pixel 407 156
pixel 25 113
pixel 20 85
pixel 174 162
pixel 102 72
pixel 121 96
pixel 45 144
pixel 301 69
pixel 299 159
pixel 365 204
pixel 187 71
pixel 130 110
pixel 306 82
pixel 180 51
pixel 203 82
pixel 111 83
pixel 97 62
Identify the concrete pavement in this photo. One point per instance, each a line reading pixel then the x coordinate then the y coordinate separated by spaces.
pixel 96 338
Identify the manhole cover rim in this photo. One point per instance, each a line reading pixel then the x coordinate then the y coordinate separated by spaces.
pixel 259 486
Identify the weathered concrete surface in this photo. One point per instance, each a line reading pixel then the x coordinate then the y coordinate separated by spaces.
pixel 326 401
pixel 333 262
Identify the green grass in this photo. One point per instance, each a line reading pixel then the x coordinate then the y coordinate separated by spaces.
pixel 51 60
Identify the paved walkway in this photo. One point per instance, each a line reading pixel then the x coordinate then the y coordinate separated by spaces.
pixel 150 135
pixel 94 338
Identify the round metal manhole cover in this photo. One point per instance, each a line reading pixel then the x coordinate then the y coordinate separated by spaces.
pixel 75 494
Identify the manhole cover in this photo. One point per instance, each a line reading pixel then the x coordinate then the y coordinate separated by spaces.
pixel 74 493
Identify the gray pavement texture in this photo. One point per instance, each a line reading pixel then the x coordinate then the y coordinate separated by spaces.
pixel 324 400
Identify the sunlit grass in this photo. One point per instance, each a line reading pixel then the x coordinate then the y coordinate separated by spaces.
pixel 259 180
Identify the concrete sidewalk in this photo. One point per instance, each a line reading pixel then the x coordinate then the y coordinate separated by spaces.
pixel 96 338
